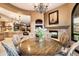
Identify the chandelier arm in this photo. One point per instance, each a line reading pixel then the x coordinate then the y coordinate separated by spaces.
pixel 41 8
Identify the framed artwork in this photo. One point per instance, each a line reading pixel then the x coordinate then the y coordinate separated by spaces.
pixel 53 17
pixel 16 27
pixel 54 34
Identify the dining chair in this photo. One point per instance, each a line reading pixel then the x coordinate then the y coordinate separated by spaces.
pixel 72 49
pixel 64 39
pixel 69 51
pixel 10 51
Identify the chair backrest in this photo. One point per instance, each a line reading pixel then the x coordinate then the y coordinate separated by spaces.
pixel 64 38
pixel 10 51
pixel 72 48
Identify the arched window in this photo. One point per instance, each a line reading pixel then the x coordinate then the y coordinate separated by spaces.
pixel 75 23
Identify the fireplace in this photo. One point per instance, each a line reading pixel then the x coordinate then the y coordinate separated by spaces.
pixel 53 33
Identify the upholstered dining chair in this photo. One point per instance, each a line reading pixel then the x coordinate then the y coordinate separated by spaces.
pixel 10 51
pixel 64 38
pixel 72 49
pixel 69 51
pixel 16 40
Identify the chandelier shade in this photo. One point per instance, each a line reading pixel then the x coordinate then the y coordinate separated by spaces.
pixel 41 8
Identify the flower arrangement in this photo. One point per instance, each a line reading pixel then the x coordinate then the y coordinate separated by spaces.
pixel 40 32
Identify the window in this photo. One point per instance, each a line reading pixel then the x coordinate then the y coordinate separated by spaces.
pixel 75 23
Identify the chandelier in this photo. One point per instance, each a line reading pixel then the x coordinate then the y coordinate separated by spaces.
pixel 18 20
pixel 41 8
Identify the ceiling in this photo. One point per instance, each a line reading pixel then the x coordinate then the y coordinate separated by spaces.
pixel 30 6
pixel 14 16
pixel 25 6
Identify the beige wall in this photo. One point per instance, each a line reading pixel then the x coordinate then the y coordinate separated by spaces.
pixel 64 16
pixel 36 16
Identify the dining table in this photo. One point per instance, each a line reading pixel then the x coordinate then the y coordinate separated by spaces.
pixel 31 47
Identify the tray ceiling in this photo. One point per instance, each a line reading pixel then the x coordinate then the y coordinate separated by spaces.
pixel 30 6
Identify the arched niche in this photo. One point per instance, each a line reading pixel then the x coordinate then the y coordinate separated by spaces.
pixel 38 23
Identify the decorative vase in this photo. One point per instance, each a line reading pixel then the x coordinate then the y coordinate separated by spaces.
pixel 41 43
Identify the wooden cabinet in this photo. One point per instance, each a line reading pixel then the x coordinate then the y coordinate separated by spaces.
pixel 1 36
pixel 5 26
pixel 8 34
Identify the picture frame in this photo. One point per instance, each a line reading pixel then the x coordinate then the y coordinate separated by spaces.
pixel 53 17
pixel 54 34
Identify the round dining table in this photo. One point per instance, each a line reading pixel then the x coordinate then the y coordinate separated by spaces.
pixel 32 47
